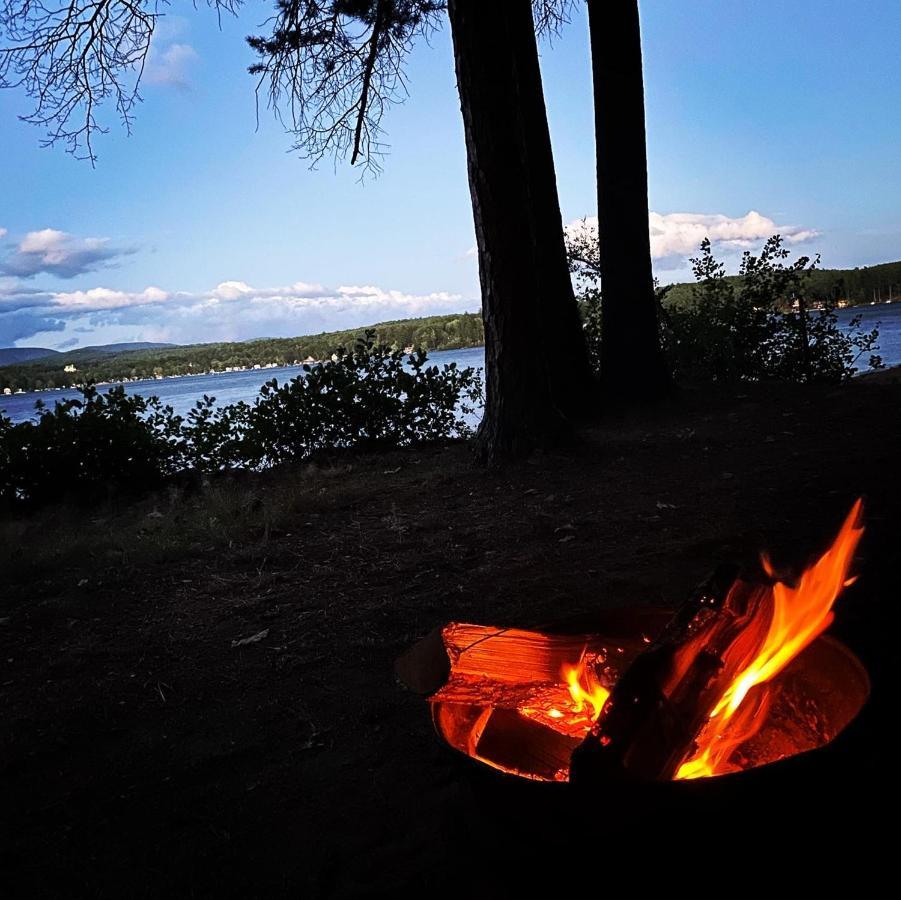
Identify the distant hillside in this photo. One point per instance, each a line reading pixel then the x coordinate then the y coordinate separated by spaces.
pixel 11 355
pixel 104 351
pixel 98 364
pixel 855 287
pixel 123 348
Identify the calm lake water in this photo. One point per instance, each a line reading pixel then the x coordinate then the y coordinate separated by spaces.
pixel 228 387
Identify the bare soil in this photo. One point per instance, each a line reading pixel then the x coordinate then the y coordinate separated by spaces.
pixel 144 751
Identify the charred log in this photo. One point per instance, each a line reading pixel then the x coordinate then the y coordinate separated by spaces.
pixel 660 704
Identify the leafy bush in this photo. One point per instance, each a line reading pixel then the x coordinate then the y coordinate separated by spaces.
pixel 757 326
pixel 583 255
pixel 87 447
pixel 760 325
pixel 367 397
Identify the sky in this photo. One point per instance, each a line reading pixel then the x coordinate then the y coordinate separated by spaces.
pixel 202 226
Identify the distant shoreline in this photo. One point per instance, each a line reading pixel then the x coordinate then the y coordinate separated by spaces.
pixel 98 366
pixel 269 367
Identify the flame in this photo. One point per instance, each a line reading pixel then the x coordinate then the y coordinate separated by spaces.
pixel 584 688
pixel 572 705
pixel 799 615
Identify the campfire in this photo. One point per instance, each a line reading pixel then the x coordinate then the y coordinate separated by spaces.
pixel 742 676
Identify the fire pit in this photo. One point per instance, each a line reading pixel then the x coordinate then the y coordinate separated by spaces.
pixel 741 678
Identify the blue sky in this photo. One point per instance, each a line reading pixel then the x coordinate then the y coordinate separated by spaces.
pixel 200 227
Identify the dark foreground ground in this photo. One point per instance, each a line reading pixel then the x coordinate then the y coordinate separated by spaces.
pixel 142 753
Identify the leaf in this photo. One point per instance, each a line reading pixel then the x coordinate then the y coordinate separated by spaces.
pixel 253 639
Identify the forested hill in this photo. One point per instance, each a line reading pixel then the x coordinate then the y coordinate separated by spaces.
pixel 855 287
pixel 11 355
pixel 99 365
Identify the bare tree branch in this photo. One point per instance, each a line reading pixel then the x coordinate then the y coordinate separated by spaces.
pixel 551 15
pixel 72 57
pixel 333 68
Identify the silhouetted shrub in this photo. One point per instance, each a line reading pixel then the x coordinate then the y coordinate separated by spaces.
pixel 757 326
pixel 368 397
pixel 87 447
pixel 760 325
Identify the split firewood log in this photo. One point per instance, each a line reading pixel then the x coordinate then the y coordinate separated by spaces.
pixel 661 702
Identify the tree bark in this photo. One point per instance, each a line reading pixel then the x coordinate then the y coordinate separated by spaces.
pixel 573 383
pixel 632 366
pixel 535 356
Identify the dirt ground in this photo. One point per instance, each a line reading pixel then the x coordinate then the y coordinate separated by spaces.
pixel 144 753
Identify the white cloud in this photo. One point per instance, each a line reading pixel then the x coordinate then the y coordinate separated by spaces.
pixel 677 236
pixel 170 65
pixel 234 290
pixel 59 253
pixel 3 233
pixel 232 310
pixel 103 298
pixel 48 241
pixel 680 234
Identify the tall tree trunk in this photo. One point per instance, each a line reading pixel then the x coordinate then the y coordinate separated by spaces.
pixel 572 380
pixel 632 366
pixel 530 316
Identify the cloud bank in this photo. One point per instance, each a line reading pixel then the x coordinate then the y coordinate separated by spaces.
pixel 58 253
pixel 232 310
pixel 678 235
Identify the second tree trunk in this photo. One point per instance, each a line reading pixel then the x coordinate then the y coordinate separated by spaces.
pixel 632 365
pixel 537 370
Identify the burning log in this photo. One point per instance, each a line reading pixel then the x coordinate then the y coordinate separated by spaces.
pixel 661 702
pixel 701 689
pixel 739 678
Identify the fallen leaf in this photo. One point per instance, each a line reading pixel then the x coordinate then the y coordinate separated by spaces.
pixel 253 639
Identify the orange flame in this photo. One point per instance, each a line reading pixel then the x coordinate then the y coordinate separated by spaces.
pixel 799 615
pixel 584 688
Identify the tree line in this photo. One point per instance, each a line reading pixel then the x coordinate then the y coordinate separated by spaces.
pixel 431 333
pixel 848 287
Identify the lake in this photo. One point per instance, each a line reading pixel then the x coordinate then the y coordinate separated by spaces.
pixel 229 387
